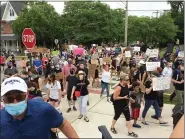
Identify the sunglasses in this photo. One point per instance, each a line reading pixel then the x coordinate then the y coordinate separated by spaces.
pixel 10 99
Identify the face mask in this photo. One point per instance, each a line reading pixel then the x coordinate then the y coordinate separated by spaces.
pixel 16 109
pixel 9 67
pixel 69 62
pixel 71 72
pixel 32 88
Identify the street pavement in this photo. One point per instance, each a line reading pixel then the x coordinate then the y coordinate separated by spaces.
pixel 100 112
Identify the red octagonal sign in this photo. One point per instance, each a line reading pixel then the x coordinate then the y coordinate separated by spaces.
pixel 28 38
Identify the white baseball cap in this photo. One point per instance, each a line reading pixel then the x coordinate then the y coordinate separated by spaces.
pixel 13 83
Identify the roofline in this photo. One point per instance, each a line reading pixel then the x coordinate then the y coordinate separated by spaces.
pixel 5 9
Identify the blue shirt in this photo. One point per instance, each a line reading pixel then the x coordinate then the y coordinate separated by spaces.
pixel 36 124
pixel 37 63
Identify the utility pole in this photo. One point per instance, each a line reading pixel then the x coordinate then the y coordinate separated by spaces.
pixel 157 13
pixel 126 23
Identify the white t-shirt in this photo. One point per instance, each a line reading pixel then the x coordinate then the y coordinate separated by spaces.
pixel 106 76
pixel 118 61
pixel 54 93
pixel 167 72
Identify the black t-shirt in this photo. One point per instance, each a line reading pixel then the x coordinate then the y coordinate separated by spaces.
pixel 82 87
pixel 71 82
pixel 142 69
pixel 10 71
pixel 35 93
pixel 177 75
pixel 153 94
pixel 136 75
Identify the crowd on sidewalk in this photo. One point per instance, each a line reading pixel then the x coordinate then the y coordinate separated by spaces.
pixel 68 75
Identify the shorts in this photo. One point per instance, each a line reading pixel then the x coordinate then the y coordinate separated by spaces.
pixel 135 113
pixel 69 96
pixel 51 99
pixel 118 68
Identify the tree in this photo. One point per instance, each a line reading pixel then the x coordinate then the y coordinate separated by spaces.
pixel 151 30
pixel 43 19
pixel 87 22
pixel 177 13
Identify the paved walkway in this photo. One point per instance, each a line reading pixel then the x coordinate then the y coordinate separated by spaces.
pixel 100 112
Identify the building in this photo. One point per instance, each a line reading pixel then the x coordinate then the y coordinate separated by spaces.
pixel 9 12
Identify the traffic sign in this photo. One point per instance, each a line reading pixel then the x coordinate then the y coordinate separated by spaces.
pixel 28 38
pixel 56 41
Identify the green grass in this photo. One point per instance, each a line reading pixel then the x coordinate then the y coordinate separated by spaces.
pixel 167 99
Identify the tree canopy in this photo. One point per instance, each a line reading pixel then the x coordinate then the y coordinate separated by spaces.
pixel 93 22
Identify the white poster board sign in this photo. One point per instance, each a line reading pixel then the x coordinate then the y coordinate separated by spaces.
pixel 181 54
pixel 152 66
pixel 152 52
pixel 136 49
pixel 95 56
pixel 161 83
pixel 127 54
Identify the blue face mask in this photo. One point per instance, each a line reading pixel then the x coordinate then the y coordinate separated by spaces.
pixel 16 109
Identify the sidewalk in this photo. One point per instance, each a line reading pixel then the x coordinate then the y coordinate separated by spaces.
pixel 100 112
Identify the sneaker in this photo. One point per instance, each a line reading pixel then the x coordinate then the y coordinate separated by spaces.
pixel 68 110
pixel 108 100
pixel 80 116
pixel 136 126
pixel 86 119
pixel 74 108
pixel 154 117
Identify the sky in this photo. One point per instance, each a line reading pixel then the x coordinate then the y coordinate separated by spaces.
pixel 135 8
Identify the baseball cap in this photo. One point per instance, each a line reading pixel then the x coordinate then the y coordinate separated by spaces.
pixel 13 83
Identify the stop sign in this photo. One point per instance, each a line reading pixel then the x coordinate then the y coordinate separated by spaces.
pixel 28 38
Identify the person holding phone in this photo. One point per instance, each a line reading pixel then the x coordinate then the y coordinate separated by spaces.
pixel 121 105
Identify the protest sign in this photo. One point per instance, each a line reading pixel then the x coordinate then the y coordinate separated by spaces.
pixel 152 52
pixel 152 66
pixel 136 49
pixel 106 59
pixel 161 83
pixel 127 54
pixel 181 54
pixel 95 56
pixel 78 51
pixel 92 68
pixel 94 61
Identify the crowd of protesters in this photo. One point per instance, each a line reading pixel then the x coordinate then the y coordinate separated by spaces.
pixel 51 78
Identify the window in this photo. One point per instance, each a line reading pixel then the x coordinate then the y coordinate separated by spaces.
pixel 2 27
pixel 10 43
pixel 11 12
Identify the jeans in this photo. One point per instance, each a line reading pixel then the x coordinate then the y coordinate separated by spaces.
pixel 83 104
pixel 105 86
pixel 148 104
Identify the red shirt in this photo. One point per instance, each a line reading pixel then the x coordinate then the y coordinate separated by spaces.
pixel 43 62
pixel 2 59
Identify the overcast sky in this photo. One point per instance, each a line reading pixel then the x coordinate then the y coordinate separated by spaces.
pixel 134 7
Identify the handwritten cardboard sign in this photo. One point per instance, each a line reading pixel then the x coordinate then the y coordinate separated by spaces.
pixel 95 56
pixel 161 83
pixel 152 66
pixel 94 61
pixel 92 68
pixel 152 52
pixel 107 59
pixel 136 49
pixel 181 54
pixel 127 53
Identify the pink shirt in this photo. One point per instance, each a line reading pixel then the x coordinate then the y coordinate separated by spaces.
pixel 66 69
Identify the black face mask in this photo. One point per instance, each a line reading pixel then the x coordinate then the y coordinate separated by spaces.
pixel 9 67
pixel 71 72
